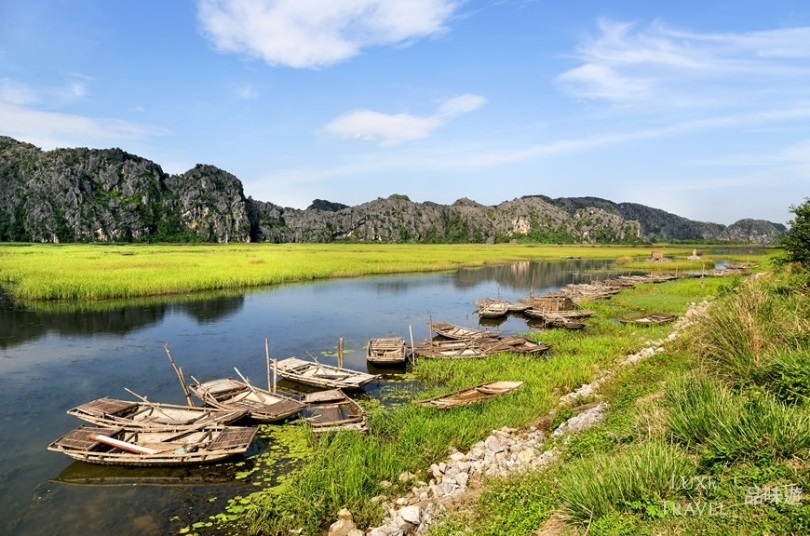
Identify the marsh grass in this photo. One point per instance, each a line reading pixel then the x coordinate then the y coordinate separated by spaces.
pixel 638 478
pixel 723 426
pixel 752 323
pixel 96 272
pixel 74 272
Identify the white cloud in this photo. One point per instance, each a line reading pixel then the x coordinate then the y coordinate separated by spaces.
pixel 459 105
pixel 318 33
pixel 394 129
pixel 246 91
pixel 16 93
pixel 53 129
pixel 659 65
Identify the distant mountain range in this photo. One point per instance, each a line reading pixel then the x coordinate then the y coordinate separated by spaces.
pixel 103 195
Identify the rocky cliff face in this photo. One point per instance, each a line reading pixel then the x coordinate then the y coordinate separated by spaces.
pixel 110 195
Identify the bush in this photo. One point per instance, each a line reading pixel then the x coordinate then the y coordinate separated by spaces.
pixel 796 240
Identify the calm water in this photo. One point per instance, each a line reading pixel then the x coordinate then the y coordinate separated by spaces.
pixel 52 361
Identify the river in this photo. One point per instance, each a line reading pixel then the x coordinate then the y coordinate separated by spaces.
pixel 54 359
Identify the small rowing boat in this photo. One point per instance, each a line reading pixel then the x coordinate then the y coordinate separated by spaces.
pixel 119 446
pixel 485 391
pixel 145 415
pixel 387 351
pixel 323 376
pixel 333 410
pixel 229 394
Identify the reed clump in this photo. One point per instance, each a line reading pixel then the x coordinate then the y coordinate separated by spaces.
pixel 636 478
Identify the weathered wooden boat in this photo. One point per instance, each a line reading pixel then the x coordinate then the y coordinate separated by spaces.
pixel 445 351
pixel 571 314
pixel 387 351
pixel 333 411
pixel 519 345
pixel 551 302
pixel 229 394
pixel 495 309
pixel 479 393
pixel 119 446
pixel 323 376
pixel 654 319
pixel 144 415
pixel 452 331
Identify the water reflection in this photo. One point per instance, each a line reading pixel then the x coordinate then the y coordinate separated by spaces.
pixel 21 324
pixel 53 358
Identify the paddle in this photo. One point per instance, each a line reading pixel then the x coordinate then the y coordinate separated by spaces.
pixel 147 402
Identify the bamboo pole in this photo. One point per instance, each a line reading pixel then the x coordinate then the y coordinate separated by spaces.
pixel 430 332
pixel 252 389
pixel 275 375
pixel 413 354
pixel 147 402
pixel 340 352
pixel 179 372
pixel 267 360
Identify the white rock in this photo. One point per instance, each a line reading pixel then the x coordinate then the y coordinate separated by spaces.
pixel 411 514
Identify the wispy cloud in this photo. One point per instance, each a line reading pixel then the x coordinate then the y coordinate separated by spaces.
pixel 318 33
pixel 53 129
pixel 15 92
pixel 657 64
pixel 394 129
pixel 245 91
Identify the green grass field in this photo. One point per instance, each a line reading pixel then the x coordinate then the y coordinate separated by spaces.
pixel 102 272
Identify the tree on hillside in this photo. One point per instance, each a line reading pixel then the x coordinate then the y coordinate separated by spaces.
pixel 796 240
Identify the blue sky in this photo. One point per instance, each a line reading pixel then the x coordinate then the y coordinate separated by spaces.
pixel 699 108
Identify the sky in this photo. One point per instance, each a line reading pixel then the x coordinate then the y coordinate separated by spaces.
pixel 701 109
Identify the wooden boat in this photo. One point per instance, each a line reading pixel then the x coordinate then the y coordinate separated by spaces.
pixel 112 413
pixel 119 446
pixel 452 331
pixel 549 303
pixel 555 321
pixel 519 345
pixel 229 394
pixel 450 351
pixel 478 393
pixel 495 309
pixel 333 410
pixel 387 351
pixel 654 319
pixel 568 314
pixel 323 376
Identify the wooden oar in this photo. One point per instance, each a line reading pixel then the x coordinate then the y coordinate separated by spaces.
pixel 147 402
pixel 252 389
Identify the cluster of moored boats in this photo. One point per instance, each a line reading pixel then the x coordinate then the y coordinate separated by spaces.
pixel 144 433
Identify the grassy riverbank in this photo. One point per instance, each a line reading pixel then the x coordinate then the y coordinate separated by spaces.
pixel 348 470
pixel 710 437
pixel 39 272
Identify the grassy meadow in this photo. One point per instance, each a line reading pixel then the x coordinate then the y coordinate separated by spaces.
pixel 39 272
